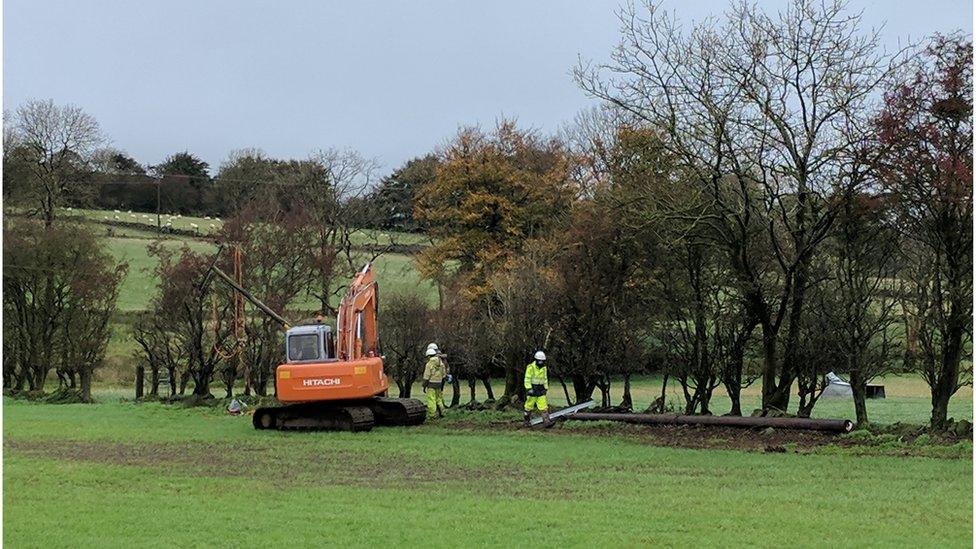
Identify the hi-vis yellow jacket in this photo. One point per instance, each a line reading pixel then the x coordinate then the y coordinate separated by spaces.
pixel 435 371
pixel 536 375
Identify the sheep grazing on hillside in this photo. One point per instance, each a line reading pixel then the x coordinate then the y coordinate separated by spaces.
pixel 116 218
pixel 194 226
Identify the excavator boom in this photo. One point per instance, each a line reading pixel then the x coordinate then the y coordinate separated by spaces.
pixel 356 319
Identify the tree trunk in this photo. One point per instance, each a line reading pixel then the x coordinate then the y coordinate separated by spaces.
pixel 583 387
pixel 859 390
pixel 172 382
pixel 486 381
pixel 140 373
pixel 769 369
pixel 154 381
pixel 85 382
pixel 735 395
pixel 472 386
pixel 514 390
pixel 562 381
pixel 628 402
pixel 456 398
pixel 706 399
pixel 948 379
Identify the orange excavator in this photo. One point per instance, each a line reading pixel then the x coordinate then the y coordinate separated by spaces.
pixel 334 381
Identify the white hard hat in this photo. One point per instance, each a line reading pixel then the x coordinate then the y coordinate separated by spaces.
pixel 539 355
pixel 431 351
pixel 432 346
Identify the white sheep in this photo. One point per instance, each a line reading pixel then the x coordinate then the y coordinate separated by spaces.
pixel 116 218
pixel 116 211
pixel 194 226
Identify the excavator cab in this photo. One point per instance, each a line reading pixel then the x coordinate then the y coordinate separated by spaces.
pixel 310 343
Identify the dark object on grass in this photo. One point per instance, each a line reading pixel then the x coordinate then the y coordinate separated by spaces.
pixel 829 425
pixel 875 391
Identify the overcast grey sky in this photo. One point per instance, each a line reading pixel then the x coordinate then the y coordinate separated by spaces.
pixel 391 79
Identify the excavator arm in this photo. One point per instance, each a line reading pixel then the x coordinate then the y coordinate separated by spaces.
pixel 356 319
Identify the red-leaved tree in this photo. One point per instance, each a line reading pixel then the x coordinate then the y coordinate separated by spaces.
pixel 926 133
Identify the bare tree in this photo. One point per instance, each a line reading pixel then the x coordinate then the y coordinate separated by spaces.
pixel 197 316
pixel 328 196
pixel 406 330
pixel 757 111
pixel 58 141
pixel 522 314
pixel 160 350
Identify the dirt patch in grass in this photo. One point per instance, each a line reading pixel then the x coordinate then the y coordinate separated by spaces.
pixel 285 467
pixel 768 440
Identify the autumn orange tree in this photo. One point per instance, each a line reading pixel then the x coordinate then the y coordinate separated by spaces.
pixel 491 192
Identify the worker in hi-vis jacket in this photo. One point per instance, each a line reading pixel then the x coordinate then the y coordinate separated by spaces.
pixel 536 387
pixel 435 373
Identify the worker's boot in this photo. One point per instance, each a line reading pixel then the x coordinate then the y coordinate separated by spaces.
pixel 526 418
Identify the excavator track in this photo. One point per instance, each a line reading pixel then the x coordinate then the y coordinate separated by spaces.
pixel 357 415
pixel 397 411
pixel 315 416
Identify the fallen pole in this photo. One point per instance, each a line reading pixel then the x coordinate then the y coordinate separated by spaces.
pixel 829 425
pixel 565 412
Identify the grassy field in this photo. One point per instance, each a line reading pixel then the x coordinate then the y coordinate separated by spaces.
pixel 146 475
pixel 209 225
pixel 395 272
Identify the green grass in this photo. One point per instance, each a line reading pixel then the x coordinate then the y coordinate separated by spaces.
pixel 209 225
pixel 147 475
pixel 395 272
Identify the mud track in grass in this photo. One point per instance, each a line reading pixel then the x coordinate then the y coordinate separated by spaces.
pixel 700 437
pixel 339 467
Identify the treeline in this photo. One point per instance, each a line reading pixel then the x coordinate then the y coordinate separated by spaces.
pixel 99 177
pixel 758 199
